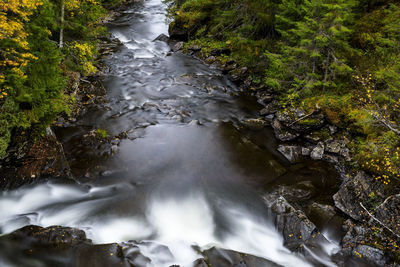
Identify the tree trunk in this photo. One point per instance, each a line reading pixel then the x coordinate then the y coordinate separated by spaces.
pixel 61 43
pixel 326 69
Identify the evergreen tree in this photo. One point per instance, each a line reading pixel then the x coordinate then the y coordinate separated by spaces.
pixel 316 45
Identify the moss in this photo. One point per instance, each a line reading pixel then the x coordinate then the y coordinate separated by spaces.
pixel 102 133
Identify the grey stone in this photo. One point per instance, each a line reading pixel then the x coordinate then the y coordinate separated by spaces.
pixel 281 133
pixel 291 153
pixel 178 46
pixel 228 258
pixel 333 146
pixel 345 153
pixel 371 254
pixel 389 213
pixel 318 151
pixel 356 190
pixel 162 38
pixel 293 224
pixel 305 151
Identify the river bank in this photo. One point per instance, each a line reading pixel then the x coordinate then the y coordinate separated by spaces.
pixel 370 206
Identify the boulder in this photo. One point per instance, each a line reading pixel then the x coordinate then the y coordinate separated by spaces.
pixel 389 213
pixel 305 151
pixel 359 189
pixel 297 193
pixel 293 224
pixel 178 46
pixel 281 133
pixel 370 254
pixel 333 146
pixel 292 153
pixel 264 98
pixel 318 152
pixel 51 236
pixel 64 246
pixel 33 161
pixel 229 258
pixel 320 214
pixel 162 38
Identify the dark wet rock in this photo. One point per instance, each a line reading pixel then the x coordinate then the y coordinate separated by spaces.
pixel 33 161
pixel 389 213
pixel 178 32
pixel 94 138
pixel 109 46
pixel 293 224
pixel 345 153
pixel 291 153
pixel 370 254
pixel 134 256
pixel 305 151
pixel 270 108
pixel 229 258
pixel 59 246
pixel 51 236
pixel 318 152
pixel 178 46
pixel 363 189
pixel 162 38
pixel 330 158
pixel 200 263
pixel 281 133
pixel 270 117
pixel 264 98
pixel 294 194
pixel 320 213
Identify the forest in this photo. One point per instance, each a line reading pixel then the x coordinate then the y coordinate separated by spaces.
pixel 338 56
pixel 35 63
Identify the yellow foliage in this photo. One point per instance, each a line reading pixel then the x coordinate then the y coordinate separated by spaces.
pixel 13 15
pixel 85 54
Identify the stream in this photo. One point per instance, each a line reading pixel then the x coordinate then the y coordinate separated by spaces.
pixel 192 172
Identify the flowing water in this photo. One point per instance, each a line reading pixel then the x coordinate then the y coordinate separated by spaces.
pixel 192 172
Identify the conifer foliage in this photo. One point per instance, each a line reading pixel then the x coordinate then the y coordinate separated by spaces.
pixel 32 82
pixel 339 56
